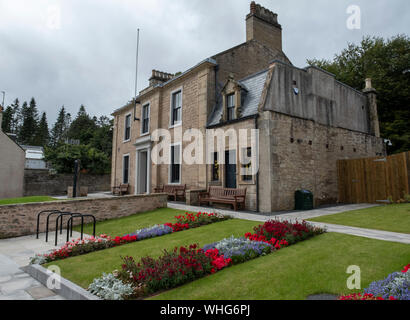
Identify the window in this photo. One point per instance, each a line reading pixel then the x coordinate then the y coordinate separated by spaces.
pixel 246 171
pixel 125 169
pixel 176 108
pixel 230 107
pixel 215 167
pixel 145 119
pixel 127 132
pixel 175 176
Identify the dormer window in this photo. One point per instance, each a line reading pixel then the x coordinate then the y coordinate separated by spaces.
pixel 230 107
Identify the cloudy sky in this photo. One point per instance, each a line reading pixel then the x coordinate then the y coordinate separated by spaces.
pixel 72 52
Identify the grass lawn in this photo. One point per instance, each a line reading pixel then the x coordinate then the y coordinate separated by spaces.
pixel 83 269
pixel 122 226
pixel 317 265
pixel 26 200
pixel 394 217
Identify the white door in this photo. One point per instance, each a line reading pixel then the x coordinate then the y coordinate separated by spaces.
pixel 142 172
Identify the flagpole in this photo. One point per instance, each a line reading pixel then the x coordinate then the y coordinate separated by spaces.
pixel 136 76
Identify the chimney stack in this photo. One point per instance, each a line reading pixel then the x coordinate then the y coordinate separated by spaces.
pixel 262 25
pixel 371 96
pixel 159 77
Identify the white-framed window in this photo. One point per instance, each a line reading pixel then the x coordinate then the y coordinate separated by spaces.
pixel 176 108
pixel 145 118
pixel 230 107
pixel 175 165
pixel 126 168
pixel 127 128
pixel 246 172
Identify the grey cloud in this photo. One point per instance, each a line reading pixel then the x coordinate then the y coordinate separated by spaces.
pixel 90 60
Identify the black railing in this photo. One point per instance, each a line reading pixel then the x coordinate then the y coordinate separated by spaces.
pixel 59 223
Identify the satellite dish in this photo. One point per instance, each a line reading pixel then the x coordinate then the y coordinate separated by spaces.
pixel 296 91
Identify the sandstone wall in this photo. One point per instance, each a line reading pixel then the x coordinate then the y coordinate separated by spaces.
pixel 21 219
pixel 303 156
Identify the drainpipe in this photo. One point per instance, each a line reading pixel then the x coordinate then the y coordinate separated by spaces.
pixel 115 151
pixel 257 174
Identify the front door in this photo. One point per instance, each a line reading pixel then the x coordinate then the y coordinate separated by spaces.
pixel 142 177
pixel 230 169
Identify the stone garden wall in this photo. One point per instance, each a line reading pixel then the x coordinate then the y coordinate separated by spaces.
pixel 21 219
pixel 39 182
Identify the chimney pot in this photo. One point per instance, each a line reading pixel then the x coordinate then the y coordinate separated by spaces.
pixel 369 83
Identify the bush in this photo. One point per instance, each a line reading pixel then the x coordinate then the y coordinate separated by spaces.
pixel 151 232
pixel 396 285
pixel 109 287
pixel 285 230
pixel 191 220
pixel 172 269
pixel 240 249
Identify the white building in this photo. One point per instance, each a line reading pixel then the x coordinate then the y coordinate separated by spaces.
pixel 34 157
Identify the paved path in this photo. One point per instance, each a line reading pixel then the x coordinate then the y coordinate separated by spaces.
pixel 14 254
pixel 304 215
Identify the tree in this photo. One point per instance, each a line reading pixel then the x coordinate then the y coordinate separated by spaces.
pixel 29 127
pixel 62 158
pixel 60 128
pixel 82 128
pixel 11 118
pixel 102 137
pixel 42 136
pixel 387 62
pixel 7 120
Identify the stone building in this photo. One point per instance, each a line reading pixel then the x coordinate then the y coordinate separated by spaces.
pixel 306 120
pixel 12 159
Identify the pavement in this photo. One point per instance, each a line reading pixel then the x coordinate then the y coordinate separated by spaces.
pixel 96 195
pixel 14 254
pixel 304 215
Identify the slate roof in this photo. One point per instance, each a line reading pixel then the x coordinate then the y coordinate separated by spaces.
pixel 251 96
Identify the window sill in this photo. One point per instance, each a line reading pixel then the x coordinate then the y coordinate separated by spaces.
pixel 246 182
pixel 125 141
pixel 175 125
pixel 144 134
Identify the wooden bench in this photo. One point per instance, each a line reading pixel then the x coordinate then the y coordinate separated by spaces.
pixel 236 197
pixel 121 189
pixel 173 191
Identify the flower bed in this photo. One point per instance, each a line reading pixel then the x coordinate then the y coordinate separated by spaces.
pixel 90 244
pixel 395 287
pixel 172 269
pixel 185 264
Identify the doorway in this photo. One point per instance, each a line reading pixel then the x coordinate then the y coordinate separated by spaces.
pixel 142 172
pixel 230 169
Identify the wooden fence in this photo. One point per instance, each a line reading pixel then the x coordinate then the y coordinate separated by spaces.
pixel 374 180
